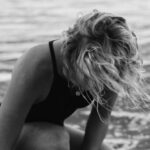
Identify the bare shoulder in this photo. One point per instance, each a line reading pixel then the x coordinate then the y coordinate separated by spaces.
pixel 38 56
pixel 35 67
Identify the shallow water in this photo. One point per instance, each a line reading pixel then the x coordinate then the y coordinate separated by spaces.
pixel 24 24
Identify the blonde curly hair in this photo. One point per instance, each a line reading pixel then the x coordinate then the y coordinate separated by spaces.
pixel 102 47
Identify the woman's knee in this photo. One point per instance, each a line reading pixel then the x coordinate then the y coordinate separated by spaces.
pixel 45 136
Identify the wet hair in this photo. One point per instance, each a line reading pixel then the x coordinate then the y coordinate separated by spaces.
pixel 103 48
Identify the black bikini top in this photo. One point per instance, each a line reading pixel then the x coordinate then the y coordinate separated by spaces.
pixel 61 101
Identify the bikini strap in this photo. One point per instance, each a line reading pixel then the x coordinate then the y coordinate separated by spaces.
pixel 53 57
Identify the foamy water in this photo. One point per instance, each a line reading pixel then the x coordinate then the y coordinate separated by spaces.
pixel 24 24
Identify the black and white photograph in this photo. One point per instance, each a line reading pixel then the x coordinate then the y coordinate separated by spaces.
pixel 75 75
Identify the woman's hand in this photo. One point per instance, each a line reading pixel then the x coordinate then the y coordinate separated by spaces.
pixel 96 128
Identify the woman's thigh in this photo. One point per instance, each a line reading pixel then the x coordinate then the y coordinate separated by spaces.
pixel 76 138
pixel 47 136
pixel 42 136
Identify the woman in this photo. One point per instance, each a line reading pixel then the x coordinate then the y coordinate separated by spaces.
pixel 92 63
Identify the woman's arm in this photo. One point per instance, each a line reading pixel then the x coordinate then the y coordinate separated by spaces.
pixel 96 127
pixel 23 91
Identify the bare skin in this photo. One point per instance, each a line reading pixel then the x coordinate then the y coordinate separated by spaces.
pixel 31 82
